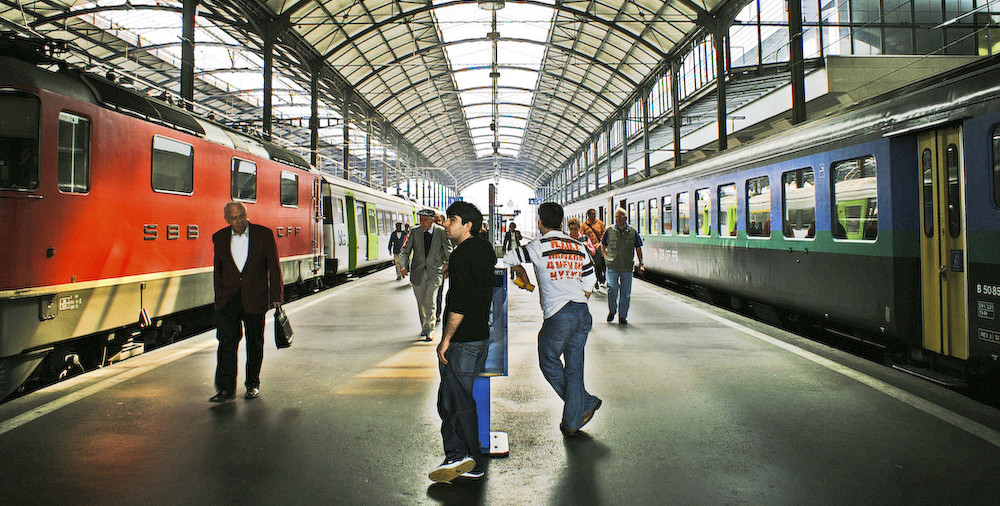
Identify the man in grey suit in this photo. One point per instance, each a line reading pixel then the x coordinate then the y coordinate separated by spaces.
pixel 425 258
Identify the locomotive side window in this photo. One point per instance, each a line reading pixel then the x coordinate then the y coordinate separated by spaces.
pixel 244 180
pixel 759 207
pixel 727 210
pixel 654 218
pixel 668 215
pixel 703 203
pixel 289 189
pixel 683 214
pixel 855 199
pixel 19 142
pixel 799 202
pixel 73 174
pixel 173 166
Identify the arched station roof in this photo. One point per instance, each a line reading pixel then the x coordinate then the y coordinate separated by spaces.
pixel 441 82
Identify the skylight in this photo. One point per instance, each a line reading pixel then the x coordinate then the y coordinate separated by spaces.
pixel 464 30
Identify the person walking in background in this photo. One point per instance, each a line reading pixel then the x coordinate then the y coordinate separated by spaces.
pixel 565 275
pixel 511 240
pixel 464 343
pixel 395 246
pixel 594 229
pixel 425 258
pixel 621 244
pixel 247 279
pixel 574 231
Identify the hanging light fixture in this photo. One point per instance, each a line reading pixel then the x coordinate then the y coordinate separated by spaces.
pixel 490 5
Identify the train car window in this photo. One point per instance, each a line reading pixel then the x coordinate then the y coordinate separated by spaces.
pixel 289 189
pixel 372 224
pixel 73 174
pixel 668 214
pixel 359 215
pixel 927 167
pixel 727 210
pixel 173 166
pixel 341 216
pixel 996 165
pixel 855 199
pixel 954 192
pixel 244 180
pixel 703 205
pixel 19 142
pixel 683 214
pixel 631 214
pixel 654 218
pixel 758 199
pixel 601 214
pixel 799 202
pixel 641 216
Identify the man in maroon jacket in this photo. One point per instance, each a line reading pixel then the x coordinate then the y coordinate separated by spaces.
pixel 247 278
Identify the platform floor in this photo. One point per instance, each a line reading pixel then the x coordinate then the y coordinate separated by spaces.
pixel 700 407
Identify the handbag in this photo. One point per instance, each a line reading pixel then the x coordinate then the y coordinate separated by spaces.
pixel 283 333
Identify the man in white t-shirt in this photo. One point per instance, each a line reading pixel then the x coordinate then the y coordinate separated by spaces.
pixel 565 274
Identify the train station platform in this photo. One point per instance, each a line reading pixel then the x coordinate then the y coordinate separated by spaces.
pixel 700 407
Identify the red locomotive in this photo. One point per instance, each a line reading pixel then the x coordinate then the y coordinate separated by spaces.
pixel 108 200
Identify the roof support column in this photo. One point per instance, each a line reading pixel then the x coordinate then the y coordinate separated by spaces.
pixel 385 168
pixel 718 38
pixel 675 67
pixel 368 155
pixel 314 70
pixel 795 65
pixel 625 147
pixel 408 180
pixel 346 113
pixel 190 10
pixel 268 82
pixel 646 169
pixel 607 138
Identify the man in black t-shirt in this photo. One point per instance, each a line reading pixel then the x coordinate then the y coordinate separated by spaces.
pixel 464 343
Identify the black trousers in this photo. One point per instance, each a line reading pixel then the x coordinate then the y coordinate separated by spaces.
pixel 599 267
pixel 229 334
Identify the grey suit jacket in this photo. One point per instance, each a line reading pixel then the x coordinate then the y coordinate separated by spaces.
pixel 423 268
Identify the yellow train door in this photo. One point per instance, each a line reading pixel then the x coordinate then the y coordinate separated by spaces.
pixel 942 242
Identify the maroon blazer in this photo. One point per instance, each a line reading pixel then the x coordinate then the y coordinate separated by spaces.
pixel 260 282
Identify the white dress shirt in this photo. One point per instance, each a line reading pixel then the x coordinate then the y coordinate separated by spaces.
pixel 240 248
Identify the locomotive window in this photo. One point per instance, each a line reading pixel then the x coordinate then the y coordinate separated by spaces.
pixel 654 218
pixel 727 210
pixel 954 192
pixel 683 214
pixel 799 202
pixel 19 142
pixel 73 174
pixel 703 220
pixel 758 201
pixel 668 215
pixel 244 180
pixel 927 167
pixel 289 189
pixel 173 166
pixel 855 199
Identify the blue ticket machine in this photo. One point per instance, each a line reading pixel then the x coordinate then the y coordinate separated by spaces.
pixel 493 443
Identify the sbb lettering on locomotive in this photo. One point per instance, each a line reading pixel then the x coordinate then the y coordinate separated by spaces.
pixel 151 232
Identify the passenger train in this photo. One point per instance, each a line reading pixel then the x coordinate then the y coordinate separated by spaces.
pixel 880 222
pixel 108 200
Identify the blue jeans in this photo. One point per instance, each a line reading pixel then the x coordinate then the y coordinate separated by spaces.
pixel 456 406
pixel 619 281
pixel 564 334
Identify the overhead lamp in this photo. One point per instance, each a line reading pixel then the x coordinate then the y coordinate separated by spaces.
pixel 490 5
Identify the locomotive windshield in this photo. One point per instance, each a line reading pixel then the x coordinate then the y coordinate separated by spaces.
pixel 18 141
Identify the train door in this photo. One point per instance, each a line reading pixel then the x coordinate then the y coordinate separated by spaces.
pixel 942 242
pixel 360 232
pixel 318 226
pixel 352 232
pixel 372 253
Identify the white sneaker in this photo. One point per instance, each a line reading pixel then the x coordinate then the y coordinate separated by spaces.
pixel 451 469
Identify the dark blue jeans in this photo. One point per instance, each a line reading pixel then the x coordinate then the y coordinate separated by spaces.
pixel 564 334
pixel 457 407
